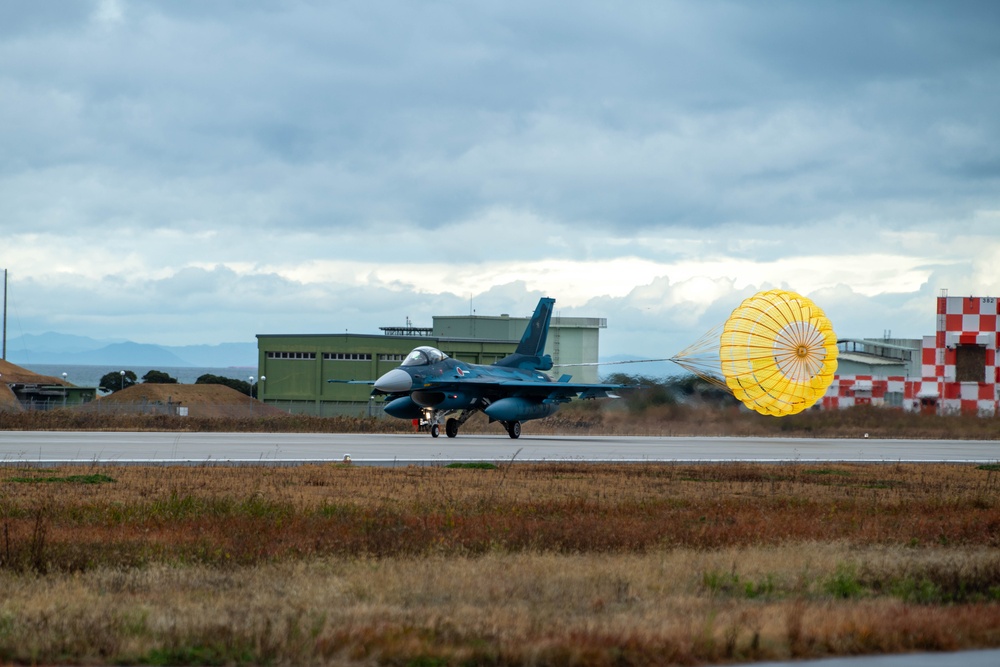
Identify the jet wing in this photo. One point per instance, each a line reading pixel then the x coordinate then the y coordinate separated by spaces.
pixel 558 392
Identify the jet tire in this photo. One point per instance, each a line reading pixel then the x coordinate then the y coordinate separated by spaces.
pixel 514 429
pixel 435 430
pixel 451 428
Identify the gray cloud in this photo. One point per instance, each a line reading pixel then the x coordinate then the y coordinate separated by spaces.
pixel 182 168
pixel 435 115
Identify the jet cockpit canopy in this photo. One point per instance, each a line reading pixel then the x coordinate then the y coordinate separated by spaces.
pixel 424 356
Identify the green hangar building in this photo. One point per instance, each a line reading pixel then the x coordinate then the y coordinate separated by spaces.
pixel 295 369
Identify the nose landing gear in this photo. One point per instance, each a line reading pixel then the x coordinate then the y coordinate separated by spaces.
pixel 451 425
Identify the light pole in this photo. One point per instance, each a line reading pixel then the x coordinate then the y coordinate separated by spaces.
pixel 123 379
pixel 64 389
pixel 251 395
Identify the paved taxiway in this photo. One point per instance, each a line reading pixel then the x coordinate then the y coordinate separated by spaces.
pixel 276 448
pixel 988 658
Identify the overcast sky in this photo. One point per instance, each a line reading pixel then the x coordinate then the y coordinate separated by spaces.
pixel 200 172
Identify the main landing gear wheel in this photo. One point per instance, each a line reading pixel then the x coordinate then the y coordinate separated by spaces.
pixel 435 430
pixel 451 428
pixel 514 429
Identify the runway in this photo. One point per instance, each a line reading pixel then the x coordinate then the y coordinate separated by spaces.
pixel 55 447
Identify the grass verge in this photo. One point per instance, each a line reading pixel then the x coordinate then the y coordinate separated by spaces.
pixel 525 564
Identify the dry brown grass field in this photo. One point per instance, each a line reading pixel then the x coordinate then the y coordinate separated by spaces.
pixel 582 418
pixel 558 564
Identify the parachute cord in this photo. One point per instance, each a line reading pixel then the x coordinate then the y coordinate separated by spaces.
pixel 702 358
pixel 706 372
pixel 706 345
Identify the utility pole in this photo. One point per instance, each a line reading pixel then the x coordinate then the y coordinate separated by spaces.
pixel 4 357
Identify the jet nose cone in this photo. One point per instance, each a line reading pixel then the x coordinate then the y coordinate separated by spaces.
pixel 394 381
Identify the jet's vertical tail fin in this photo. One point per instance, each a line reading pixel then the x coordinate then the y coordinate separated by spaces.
pixel 529 352
pixel 535 334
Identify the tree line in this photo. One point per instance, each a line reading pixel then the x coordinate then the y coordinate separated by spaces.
pixel 117 381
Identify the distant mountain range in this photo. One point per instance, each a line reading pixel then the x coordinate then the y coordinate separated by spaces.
pixel 57 348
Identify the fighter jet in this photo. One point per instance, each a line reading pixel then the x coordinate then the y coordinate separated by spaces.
pixel 431 386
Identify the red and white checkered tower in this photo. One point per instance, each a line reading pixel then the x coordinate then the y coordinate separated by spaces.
pixel 960 362
pixel 959 372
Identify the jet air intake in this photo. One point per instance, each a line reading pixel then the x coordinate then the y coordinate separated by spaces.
pixel 403 408
pixel 443 400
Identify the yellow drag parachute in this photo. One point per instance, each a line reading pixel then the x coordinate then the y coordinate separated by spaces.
pixel 778 352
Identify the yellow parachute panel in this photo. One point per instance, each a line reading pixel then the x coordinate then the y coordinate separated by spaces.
pixel 778 352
